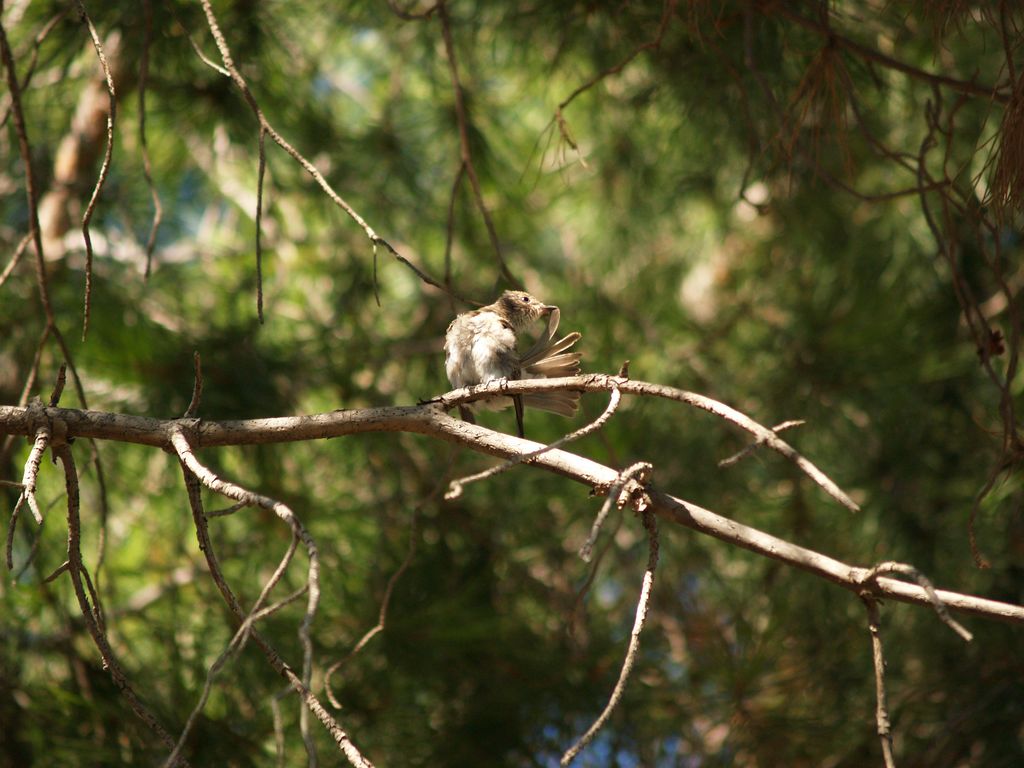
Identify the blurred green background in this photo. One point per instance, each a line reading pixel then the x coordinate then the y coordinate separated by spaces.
pixel 703 228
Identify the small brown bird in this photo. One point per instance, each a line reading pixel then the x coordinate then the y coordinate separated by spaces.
pixel 480 346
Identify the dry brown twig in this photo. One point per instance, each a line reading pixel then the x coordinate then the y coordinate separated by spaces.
pixel 559 121
pixel 30 475
pixel 19 251
pixel 341 738
pixel 573 619
pixel 618 494
pixel 91 611
pixel 742 454
pixel 643 604
pixel 890 568
pixel 37 41
pixel 466 166
pixel 197 388
pixel 882 720
pixel 30 184
pixel 104 167
pixel 385 602
pixel 382 614
pixel 186 455
pixel 233 648
pixel 266 129
pixel 147 170
pixel 883 724
pixel 868 54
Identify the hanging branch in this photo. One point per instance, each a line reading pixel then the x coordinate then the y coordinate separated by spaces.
pixel 882 721
pixel 266 129
pixel 650 523
pixel 667 11
pixel 382 614
pixel 186 455
pixel 104 167
pixel 341 738
pixel 30 182
pixel 466 166
pixel 147 170
pixel 91 609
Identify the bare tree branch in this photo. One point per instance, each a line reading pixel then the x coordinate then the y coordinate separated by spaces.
pixel 467 167
pixel 341 738
pixel 267 129
pixel 428 419
pixel 91 611
pixel 882 722
pixel 147 170
pixel 643 603
pixel 104 167
pixel 299 532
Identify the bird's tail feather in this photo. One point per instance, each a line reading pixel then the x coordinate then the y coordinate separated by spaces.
pixel 562 403
pixel 550 359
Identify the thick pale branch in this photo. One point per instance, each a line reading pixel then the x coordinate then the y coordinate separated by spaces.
pixel 601 382
pixel 428 419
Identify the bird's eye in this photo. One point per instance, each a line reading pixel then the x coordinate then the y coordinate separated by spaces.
pixel 526 299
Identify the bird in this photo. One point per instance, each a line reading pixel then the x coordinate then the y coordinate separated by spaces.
pixel 480 346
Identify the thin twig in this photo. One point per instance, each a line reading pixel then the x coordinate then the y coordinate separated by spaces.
pixel 450 227
pixel 406 15
pixel 58 386
pixel 382 614
pixel 650 523
pixel 233 648
pixel 651 45
pixel 147 170
pixel 870 54
pixel 31 473
pixel 261 172
pixel 339 735
pixel 104 167
pixel 456 487
pixel 228 510
pixel 616 497
pixel 231 71
pixel 882 722
pixel 902 569
pixel 91 612
pixel 740 455
pixel 667 9
pixel 30 184
pixel 15 258
pixel 299 533
pixel 27 389
pixel 197 387
pixel 57 571
pixel 595 564
pixel 465 153
pixel 33 58
pixel 11 528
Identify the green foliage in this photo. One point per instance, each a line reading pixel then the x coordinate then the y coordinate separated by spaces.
pixel 703 230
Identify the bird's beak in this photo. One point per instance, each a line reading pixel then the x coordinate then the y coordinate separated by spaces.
pixel 547 309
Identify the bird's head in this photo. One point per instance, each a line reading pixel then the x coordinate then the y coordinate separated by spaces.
pixel 521 309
